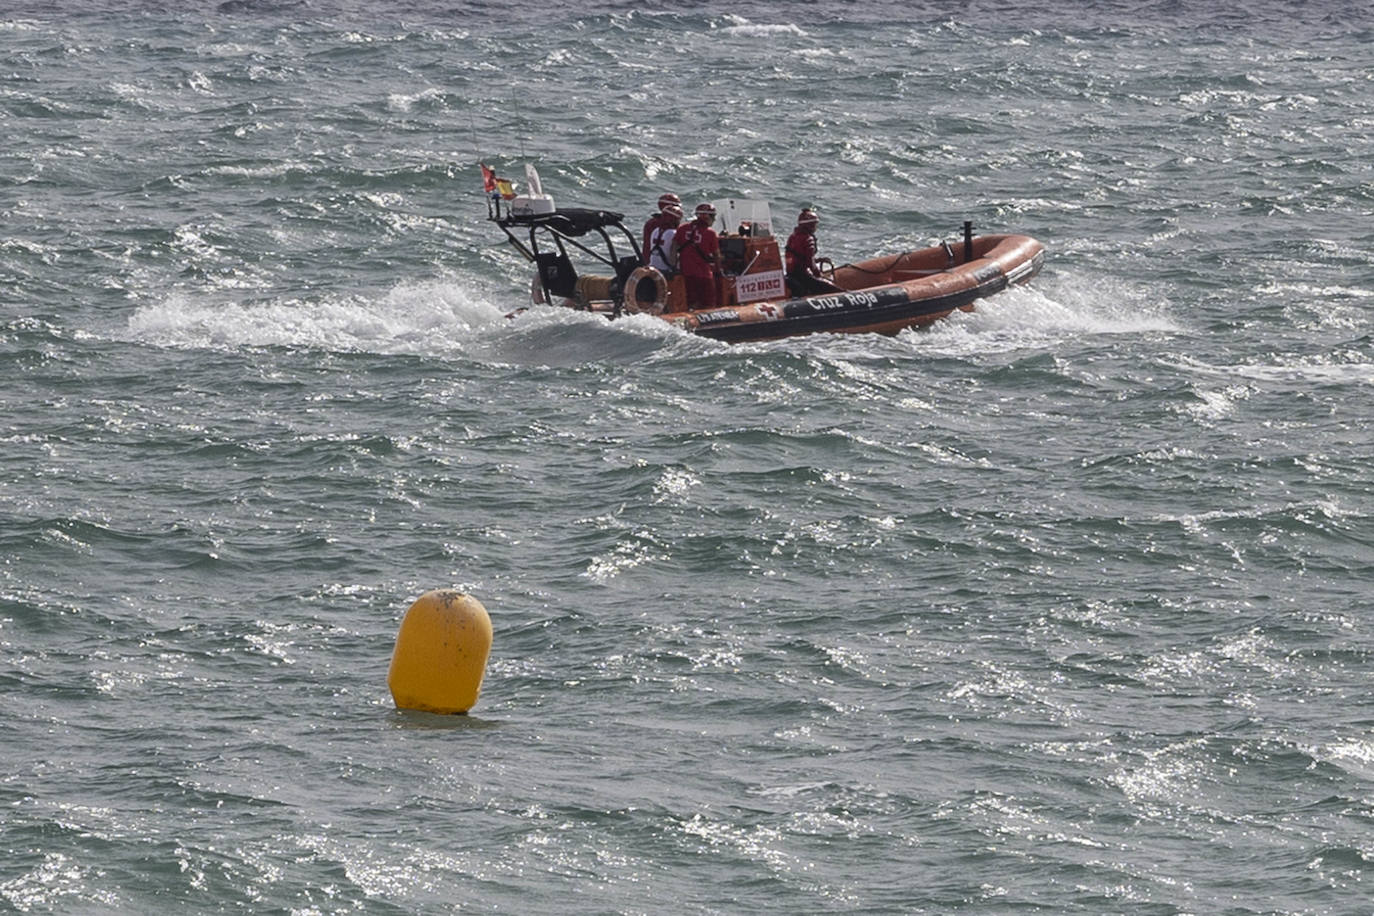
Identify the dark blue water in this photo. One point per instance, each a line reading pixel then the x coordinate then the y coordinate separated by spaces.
pixel 1059 606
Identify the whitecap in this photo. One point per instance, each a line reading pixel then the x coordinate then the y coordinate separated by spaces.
pixel 738 25
pixel 400 102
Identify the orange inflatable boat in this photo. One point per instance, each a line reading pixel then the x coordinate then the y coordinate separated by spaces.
pixel 880 295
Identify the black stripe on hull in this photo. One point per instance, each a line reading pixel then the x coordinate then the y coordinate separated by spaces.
pixel 857 312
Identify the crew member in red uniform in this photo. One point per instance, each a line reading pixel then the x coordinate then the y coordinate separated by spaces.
pixel 698 258
pixel 803 276
pixel 658 221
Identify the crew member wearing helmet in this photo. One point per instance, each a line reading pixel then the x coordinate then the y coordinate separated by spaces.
pixel 657 221
pixel 803 276
pixel 659 252
pixel 698 250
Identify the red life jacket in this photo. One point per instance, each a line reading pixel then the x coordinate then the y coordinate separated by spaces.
pixel 699 249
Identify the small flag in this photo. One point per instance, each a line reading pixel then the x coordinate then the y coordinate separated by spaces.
pixel 496 187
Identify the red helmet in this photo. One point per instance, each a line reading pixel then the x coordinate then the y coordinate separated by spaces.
pixel 673 210
pixel 808 217
pixel 705 210
pixel 665 199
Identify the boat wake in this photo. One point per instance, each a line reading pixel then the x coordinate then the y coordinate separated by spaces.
pixel 561 337
pixel 1055 309
pixel 447 318
pixel 437 316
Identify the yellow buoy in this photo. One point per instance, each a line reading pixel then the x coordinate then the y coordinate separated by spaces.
pixel 441 653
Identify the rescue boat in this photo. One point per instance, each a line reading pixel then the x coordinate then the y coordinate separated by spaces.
pixel 882 295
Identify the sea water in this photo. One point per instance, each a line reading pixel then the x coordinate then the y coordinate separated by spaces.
pixel 1060 606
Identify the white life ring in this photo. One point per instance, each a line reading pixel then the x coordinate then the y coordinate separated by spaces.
pixel 634 302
